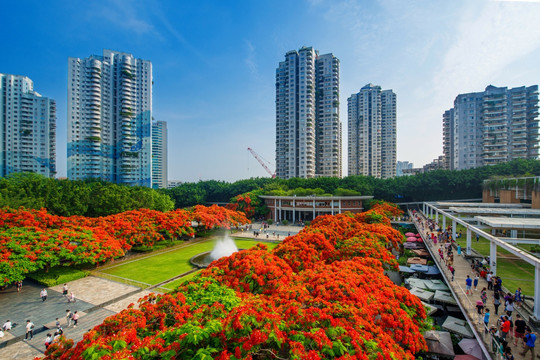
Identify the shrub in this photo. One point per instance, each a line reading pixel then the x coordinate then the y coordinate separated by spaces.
pixel 58 275
pixel 270 221
pixel 285 222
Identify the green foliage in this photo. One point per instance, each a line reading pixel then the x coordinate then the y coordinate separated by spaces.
pixel 434 185
pixel 285 222
pixel 58 275
pixel 86 198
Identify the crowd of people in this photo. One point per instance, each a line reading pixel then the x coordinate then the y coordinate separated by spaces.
pixel 509 327
pixel 72 318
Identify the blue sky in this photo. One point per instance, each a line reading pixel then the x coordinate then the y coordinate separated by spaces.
pixel 214 63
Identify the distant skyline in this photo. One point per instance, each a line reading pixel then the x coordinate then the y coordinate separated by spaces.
pixel 214 64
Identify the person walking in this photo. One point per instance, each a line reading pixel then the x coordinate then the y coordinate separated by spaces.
pixel 509 307
pixel 496 302
pixel 508 354
pixel 48 340
pixel 69 316
pixel 505 328
pixel 468 284
pixel 19 286
pixel 519 329
pixel 518 298
pixel 65 290
pixel 530 339
pixel 480 310
pixel 452 270
pixel 29 330
pixel 43 294
pixel 75 319
pixel 475 283
pixel 483 296
pixel 486 320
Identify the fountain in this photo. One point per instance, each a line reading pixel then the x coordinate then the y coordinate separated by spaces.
pixel 224 247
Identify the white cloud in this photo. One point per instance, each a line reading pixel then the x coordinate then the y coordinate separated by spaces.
pixel 250 60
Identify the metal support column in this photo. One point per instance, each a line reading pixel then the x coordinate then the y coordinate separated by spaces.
pixel 536 310
pixel 468 250
pixel 454 224
pixel 313 209
pixel 437 217
pixel 424 208
pixel 443 223
pixel 293 211
pixel 493 257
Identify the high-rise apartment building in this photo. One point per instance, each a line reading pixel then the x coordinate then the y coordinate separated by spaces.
pixel 308 129
pixel 372 132
pixel 159 155
pixel 27 128
pixel 448 139
pixel 490 127
pixel 109 118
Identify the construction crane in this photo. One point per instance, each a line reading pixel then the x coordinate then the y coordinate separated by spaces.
pixel 262 162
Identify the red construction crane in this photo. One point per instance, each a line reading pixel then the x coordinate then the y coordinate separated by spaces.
pixel 262 162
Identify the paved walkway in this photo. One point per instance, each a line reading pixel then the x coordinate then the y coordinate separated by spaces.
pixel 468 302
pixel 97 299
pixel 273 232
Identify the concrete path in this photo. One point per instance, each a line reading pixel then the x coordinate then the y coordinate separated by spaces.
pixel 468 302
pixel 97 299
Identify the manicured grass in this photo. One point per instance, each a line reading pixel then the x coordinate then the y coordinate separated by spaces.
pixel 158 268
pixel 172 285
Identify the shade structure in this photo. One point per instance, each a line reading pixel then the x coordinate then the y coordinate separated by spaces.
pixel 411 239
pixel 471 347
pixel 419 239
pixel 457 326
pixel 405 269
pixel 423 295
pixel 439 342
pixel 418 235
pixel 409 234
pixel 444 297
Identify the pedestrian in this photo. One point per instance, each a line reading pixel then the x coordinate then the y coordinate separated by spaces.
pixel 57 323
pixel 19 286
pixel 486 320
pixel 489 278
pixel 43 294
pixel 29 330
pixel 71 297
pixel 509 307
pixel 475 283
pixel 496 302
pixel 505 328
pixel 468 284
pixel 480 310
pixel 452 270
pixel 48 340
pixel 459 249
pixel 519 329
pixel 7 325
pixel 508 354
pixel 483 296
pixel 69 315
pixel 518 298
pixel 75 319
pixel 65 290
pixel 530 339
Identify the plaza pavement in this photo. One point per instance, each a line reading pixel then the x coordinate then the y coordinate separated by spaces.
pixel 97 299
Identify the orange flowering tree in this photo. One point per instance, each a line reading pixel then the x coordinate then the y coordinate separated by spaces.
pixel 32 240
pixel 249 203
pixel 321 294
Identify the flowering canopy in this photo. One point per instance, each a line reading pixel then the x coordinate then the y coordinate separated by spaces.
pixel 320 294
pixel 31 240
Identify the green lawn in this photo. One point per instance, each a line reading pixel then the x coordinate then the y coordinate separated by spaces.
pixel 513 271
pixel 158 268
pixel 172 285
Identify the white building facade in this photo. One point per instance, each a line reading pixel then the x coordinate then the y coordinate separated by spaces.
pixel 308 129
pixel 27 128
pixel 159 155
pixel 490 127
pixel 109 118
pixel 372 132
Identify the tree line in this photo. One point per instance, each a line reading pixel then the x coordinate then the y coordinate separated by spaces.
pixel 433 185
pixel 98 198
pixel 76 197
